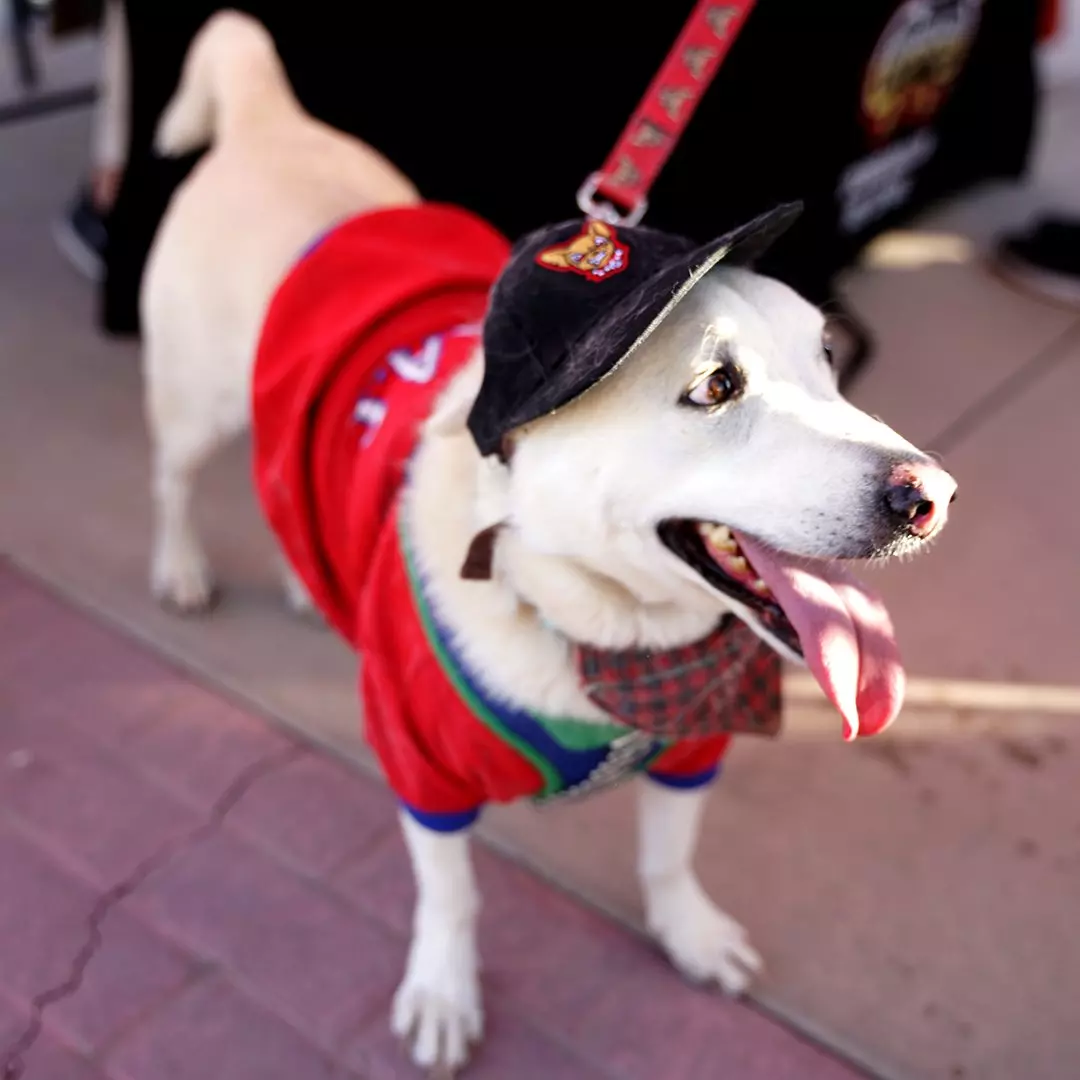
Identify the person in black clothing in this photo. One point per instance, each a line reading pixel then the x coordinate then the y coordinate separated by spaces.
pixel 506 112
pixel 82 232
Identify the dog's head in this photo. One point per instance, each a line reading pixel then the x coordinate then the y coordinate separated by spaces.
pixel 720 468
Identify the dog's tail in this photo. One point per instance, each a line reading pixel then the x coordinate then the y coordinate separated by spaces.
pixel 230 62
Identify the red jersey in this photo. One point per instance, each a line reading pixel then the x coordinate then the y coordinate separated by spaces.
pixel 358 341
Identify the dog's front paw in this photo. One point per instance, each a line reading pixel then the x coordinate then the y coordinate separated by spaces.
pixel 704 943
pixel 441 1015
pixel 181 581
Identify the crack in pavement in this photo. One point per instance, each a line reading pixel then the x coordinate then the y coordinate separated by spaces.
pixel 13 1063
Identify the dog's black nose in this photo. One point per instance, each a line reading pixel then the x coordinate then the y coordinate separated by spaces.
pixel 918 497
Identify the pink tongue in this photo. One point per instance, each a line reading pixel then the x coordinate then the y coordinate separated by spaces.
pixel 845 632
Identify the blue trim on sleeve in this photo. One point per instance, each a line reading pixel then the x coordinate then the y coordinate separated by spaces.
pixel 687 781
pixel 455 821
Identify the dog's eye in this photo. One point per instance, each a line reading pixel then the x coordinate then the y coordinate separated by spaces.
pixel 715 387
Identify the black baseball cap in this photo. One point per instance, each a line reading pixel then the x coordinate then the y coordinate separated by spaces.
pixel 576 299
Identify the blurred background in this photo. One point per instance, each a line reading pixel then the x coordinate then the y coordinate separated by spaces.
pixel 916 897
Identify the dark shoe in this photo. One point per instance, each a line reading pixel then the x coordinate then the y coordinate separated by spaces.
pixel 82 235
pixel 1044 261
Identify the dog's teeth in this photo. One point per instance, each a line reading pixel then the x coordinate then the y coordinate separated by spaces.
pixel 739 565
pixel 761 588
pixel 719 536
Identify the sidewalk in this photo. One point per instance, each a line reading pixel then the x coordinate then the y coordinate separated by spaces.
pixel 915 896
pixel 190 894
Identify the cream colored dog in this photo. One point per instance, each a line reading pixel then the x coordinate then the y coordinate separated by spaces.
pixel 599 554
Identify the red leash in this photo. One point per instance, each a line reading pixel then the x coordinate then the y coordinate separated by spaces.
pixel 660 119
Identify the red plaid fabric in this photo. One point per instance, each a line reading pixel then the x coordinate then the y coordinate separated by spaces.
pixel 727 683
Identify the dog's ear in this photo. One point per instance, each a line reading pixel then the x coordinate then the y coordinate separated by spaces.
pixel 599 228
pixel 481 555
pixel 554 258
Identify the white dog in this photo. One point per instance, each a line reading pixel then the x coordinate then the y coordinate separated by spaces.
pixel 593 531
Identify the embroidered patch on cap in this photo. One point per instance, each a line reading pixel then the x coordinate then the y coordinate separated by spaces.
pixel 595 253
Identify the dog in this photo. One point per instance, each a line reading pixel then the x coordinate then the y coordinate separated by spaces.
pixel 709 480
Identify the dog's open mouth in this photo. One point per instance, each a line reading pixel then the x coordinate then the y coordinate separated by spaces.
pixel 714 552
pixel 816 610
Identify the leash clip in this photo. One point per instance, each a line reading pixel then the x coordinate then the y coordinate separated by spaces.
pixel 605 211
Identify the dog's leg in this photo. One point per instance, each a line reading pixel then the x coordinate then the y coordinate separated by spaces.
pixel 297 598
pixel 180 575
pixel 438 1003
pixel 196 401
pixel 703 943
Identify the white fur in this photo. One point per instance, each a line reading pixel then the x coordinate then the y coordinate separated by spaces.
pixel 702 941
pixel 578 557
pixel 438 1004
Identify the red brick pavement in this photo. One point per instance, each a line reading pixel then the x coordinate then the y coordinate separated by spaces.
pixel 190 894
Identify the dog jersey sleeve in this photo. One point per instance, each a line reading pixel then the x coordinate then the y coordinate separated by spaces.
pixel 440 760
pixel 692 763
pixel 412 720
pixel 426 783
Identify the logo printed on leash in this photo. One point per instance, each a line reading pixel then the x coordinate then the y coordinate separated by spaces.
pixel 595 253
pixel 649 134
pixel 719 17
pixel 672 99
pixel 697 59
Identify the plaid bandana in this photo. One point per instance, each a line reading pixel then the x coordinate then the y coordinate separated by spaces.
pixel 729 682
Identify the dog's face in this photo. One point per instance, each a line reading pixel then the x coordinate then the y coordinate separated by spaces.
pixel 729 413
pixel 720 462
pixel 593 253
